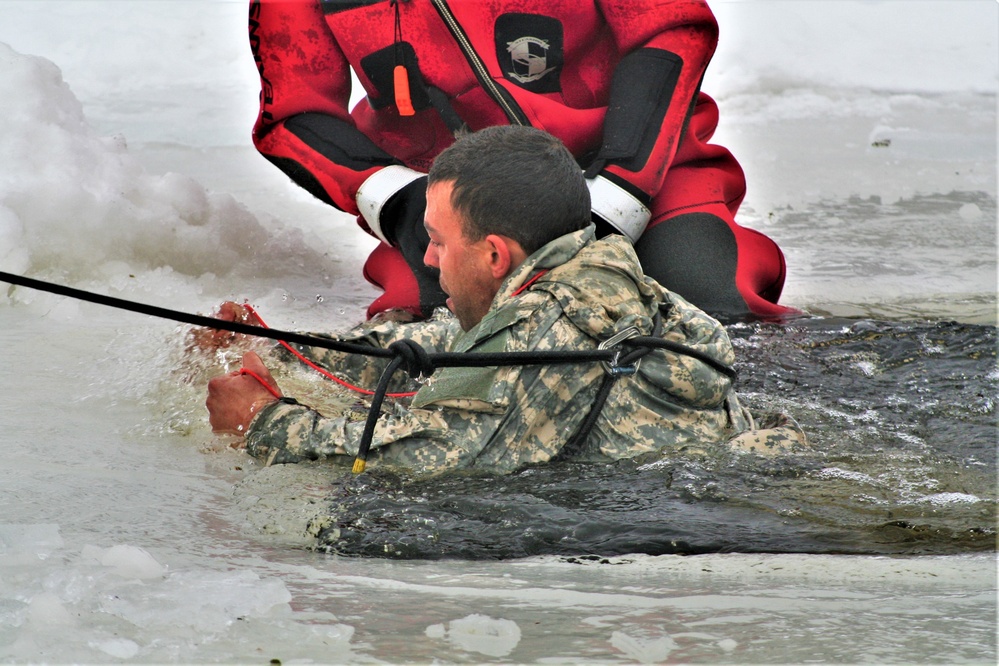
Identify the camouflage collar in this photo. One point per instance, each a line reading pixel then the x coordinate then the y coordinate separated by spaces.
pixel 553 254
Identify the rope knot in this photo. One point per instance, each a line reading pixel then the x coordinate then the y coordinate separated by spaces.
pixel 414 358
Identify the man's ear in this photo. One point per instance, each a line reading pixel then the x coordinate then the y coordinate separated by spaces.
pixel 499 256
pixel 505 255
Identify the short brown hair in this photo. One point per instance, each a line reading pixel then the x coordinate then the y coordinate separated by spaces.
pixel 515 181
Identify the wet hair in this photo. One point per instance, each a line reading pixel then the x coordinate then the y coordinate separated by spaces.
pixel 518 182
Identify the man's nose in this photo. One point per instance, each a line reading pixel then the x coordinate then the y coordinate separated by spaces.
pixel 430 257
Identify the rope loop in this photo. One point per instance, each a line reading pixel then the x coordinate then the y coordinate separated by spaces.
pixel 414 358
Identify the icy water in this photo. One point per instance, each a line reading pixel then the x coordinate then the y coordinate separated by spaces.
pixel 901 420
pixel 129 534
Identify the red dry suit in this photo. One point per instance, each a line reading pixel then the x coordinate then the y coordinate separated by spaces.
pixel 616 80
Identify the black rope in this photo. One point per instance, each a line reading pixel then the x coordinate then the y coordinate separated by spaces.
pixel 407 353
pixel 413 357
pixel 360 460
pixel 195 320
pixel 575 445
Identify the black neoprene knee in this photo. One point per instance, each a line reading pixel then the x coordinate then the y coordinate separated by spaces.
pixel 695 255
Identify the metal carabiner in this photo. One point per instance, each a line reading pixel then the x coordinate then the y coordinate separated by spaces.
pixel 613 368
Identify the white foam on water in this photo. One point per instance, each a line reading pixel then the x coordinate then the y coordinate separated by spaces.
pixel 837 473
pixel 951 498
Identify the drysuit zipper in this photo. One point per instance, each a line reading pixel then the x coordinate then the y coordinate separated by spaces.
pixel 513 112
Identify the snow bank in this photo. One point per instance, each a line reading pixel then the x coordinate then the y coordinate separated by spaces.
pixel 76 206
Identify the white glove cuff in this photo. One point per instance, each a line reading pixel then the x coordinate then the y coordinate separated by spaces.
pixel 378 189
pixel 622 210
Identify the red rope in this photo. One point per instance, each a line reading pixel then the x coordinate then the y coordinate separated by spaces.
pixel 530 282
pixel 323 371
pixel 274 391
pixel 329 375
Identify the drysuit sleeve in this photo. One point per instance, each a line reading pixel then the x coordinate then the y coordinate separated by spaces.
pixel 303 125
pixel 653 91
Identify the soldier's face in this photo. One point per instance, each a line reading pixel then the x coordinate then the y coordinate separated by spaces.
pixel 467 276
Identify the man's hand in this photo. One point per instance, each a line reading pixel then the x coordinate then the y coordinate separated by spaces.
pixel 234 399
pixel 213 339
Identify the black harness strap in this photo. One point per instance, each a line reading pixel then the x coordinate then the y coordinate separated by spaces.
pixel 619 367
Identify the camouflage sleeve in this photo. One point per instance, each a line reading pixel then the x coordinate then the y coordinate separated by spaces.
pixel 422 440
pixel 689 325
pixel 363 370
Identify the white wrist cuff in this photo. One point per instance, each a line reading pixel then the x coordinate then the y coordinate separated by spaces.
pixel 622 210
pixel 378 189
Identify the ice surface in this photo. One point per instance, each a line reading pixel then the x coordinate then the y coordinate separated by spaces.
pixel 38 541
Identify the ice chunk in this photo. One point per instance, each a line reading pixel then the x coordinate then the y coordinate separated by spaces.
pixel 120 648
pixel 127 561
pixel 479 633
pixel 970 212
pixel 31 541
pixel 204 600
pixel 46 609
pixel 727 644
pixel 643 651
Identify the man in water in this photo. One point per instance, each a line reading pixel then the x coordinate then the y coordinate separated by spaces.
pixel 508 216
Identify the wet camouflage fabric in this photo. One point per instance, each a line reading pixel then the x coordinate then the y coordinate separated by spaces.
pixel 503 418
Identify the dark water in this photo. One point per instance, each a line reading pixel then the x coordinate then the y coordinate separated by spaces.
pixel 901 419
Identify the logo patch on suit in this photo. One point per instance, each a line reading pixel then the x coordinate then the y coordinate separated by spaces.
pixel 529 49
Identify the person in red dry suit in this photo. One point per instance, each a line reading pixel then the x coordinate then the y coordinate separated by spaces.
pixel 618 81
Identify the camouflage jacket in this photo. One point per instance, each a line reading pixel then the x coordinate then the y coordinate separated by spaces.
pixel 501 418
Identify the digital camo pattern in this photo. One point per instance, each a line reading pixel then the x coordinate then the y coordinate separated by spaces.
pixel 502 418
